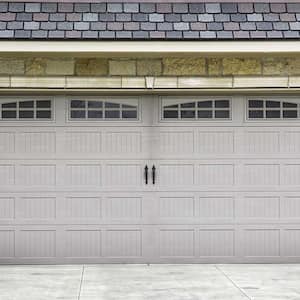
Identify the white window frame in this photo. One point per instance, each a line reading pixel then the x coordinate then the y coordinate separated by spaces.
pixel 103 99
pixel 195 99
pixel 281 99
pixel 18 99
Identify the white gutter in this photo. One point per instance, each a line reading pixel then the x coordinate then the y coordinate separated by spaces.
pixel 119 48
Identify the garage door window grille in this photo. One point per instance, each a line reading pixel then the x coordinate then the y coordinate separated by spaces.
pixel 271 109
pixel 102 110
pixel 27 110
pixel 201 110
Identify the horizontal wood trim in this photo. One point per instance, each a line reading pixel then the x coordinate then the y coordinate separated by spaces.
pixel 161 48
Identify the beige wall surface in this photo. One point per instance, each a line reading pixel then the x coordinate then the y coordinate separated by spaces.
pixel 149 66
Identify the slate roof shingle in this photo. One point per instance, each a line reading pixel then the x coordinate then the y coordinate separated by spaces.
pixel 149 21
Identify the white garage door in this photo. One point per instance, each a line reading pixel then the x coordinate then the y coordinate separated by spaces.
pixel 222 182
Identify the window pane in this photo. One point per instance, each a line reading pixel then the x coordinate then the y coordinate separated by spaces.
pixel 256 114
pixel 26 104
pixel 95 104
pixel 43 104
pixel 188 105
pixel 95 114
pixel 272 104
pixel 255 103
pixel 204 104
pixel 187 114
pixel 273 114
pixel 112 105
pixel 113 114
pixel 77 104
pixel 128 106
pixel 170 114
pixel 77 114
pixel 129 114
pixel 204 114
pixel 290 114
pixel 43 114
pixel 171 106
pixel 26 114
pixel 221 103
pixel 289 105
pixel 7 114
pixel 9 105
pixel 222 114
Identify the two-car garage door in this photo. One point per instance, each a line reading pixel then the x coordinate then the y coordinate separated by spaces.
pixel 149 179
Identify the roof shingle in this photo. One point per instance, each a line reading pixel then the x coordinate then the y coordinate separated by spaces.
pixel 190 21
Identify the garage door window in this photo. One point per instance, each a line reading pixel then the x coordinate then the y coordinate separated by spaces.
pixel 102 110
pixel 201 110
pixel 271 109
pixel 24 110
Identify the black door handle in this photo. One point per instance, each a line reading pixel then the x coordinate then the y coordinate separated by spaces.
pixel 153 174
pixel 146 174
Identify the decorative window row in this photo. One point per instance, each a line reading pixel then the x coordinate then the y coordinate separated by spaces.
pixel 102 110
pixel 204 109
pixel 271 109
pixel 27 110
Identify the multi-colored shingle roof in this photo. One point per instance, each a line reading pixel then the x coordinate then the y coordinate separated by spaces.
pixel 149 21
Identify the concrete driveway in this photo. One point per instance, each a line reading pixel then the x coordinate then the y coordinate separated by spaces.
pixel 137 282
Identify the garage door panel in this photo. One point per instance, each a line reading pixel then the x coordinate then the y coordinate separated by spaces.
pixel 7 174
pixel 43 174
pixel 36 142
pixel 120 208
pixel 36 243
pixel 36 208
pixel 291 242
pixel 290 207
pixel 216 242
pixel 256 142
pixel 7 208
pixel 257 207
pixel 77 174
pixel 261 242
pixel 83 243
pixel 122 243
pixel 77 207
pixel 121 174
pixel 7 243
pixel 212 207
pixel 261 174
pixel 176 243
pixel 217 142
pixel 7 142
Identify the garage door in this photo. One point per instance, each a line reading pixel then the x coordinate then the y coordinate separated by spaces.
pixel 149 179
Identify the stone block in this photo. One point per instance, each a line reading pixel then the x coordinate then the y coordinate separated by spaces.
pixel 275 66
pixel 293 65
pixel 214 66
pixel 60 66
pixel 35 66
pixel 11 66
pixel 184 66
pixel 91 66
pixel 122 67
pixel 149 67
pixel 241 66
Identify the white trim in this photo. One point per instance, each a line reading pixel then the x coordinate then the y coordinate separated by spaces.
pixel 149 47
